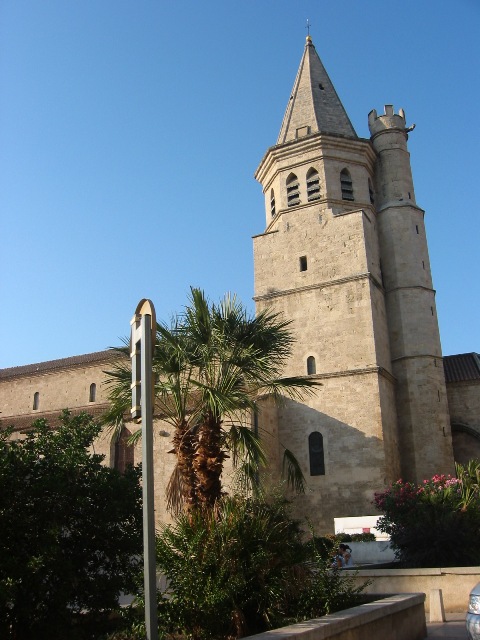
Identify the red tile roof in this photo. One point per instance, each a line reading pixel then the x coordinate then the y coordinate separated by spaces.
pixel 463 367
pixel 52 365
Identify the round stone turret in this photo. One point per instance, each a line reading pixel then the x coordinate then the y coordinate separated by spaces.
pixel 390 120
pixel 389 134
pixel 421 398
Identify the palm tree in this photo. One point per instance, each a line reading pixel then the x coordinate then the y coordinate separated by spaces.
pixel 212 365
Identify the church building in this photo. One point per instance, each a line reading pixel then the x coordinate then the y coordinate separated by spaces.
pixel 344 257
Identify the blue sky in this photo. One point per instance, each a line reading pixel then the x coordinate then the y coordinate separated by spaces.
pixel 130 132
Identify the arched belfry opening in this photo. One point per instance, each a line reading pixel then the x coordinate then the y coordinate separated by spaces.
pixel 346 185
pixel 293 190
pixel 313 185
pixel 316 454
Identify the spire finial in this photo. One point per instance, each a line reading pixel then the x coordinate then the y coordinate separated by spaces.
pixel 309 39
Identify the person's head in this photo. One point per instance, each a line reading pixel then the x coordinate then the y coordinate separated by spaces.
pixel 344 548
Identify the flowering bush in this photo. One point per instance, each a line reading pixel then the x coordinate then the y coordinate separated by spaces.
pixel 435 523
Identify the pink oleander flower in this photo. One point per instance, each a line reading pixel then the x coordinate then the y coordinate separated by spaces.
pixel 451 482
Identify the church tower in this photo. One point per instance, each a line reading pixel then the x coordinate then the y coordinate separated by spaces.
pixel 331 260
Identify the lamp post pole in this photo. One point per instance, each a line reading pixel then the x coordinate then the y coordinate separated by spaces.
pixel 142 345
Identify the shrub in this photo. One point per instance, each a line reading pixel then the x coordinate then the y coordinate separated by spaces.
pixel 69 530
pixel 436 523
pixel 228 571
pixel 321 546
pixel 242 570
pixel 362 537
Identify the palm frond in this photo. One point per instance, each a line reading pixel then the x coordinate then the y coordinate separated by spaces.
pixel 246 479
pixel 173 492
pixel 292 472
pixel 295 388
pixel 244 446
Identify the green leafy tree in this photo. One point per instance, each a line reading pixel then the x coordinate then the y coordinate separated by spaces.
pixel 70 530
pixel 212 364
pixel 435 523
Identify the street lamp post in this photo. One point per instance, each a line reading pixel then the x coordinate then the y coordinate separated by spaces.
pixel 142 345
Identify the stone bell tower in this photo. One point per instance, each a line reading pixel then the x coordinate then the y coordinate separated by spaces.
pixel 329 261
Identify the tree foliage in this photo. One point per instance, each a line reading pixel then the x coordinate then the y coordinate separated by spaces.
pixel 70 530
pixel 212 364
pixel 436 523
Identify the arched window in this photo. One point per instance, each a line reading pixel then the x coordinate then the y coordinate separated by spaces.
pixel 122 451
pixel 371 192
pixel 293 190
pixel 316 454
pixel 311 365
pixel 313 185
pixel 93 392
pixel 36 400
pixel 346 184
pixel 272 203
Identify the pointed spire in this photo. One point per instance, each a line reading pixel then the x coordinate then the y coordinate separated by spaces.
pixel 314 106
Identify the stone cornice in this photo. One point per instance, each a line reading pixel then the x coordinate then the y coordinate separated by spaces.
pixel 419 355
pixel 320 206
pixel 23 422
pixel 320 285
pixel 313 142
pixel 357 372
pixel 344 373
pixel 412 286
pixel 398 204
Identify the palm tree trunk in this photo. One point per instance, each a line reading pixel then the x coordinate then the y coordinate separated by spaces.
pixel 184 448
pixel 208 462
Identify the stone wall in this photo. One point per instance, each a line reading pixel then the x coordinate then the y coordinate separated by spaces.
pixel 400 616
pixel 346 410
pixel 60 385
pixel 455 583
pixel 464 406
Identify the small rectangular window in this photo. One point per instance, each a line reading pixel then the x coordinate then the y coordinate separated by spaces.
pixel 416 227
pixel 303 263
pixel 302 132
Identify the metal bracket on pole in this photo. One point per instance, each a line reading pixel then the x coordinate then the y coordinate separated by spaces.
pixel 142 346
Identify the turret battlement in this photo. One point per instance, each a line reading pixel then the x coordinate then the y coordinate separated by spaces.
pixel 390 120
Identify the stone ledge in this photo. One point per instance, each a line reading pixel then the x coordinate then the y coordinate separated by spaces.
pixel 455 583
pixel 372 620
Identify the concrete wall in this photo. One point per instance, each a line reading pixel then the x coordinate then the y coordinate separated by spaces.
pixel 378 552
pixel 455 583
pixel 400 616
